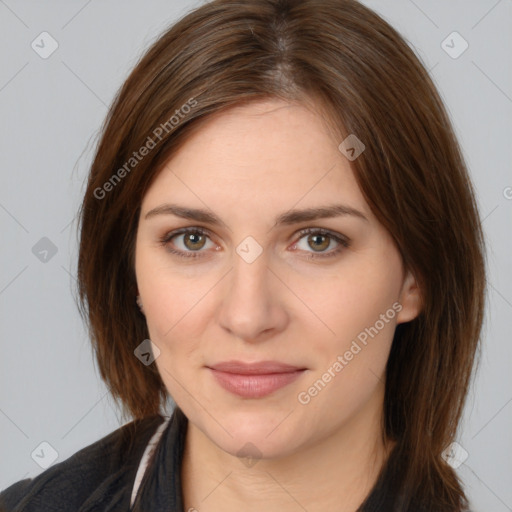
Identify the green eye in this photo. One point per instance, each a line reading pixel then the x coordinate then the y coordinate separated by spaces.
pixel 189 242
pixel 319 240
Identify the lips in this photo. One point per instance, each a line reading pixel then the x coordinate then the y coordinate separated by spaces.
pixel 254 380
pixel 261 368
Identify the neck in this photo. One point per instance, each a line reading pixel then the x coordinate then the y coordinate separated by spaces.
pixel 336 473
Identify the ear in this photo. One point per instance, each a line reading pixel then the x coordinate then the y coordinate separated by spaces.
pixel 410 299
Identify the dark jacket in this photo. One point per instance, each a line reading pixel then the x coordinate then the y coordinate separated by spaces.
pixel 100 477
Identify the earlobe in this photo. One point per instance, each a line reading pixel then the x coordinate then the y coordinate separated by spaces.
pixel 410 300
pixel 138 300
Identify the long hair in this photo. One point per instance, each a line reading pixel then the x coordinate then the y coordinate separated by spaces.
pixel 366 81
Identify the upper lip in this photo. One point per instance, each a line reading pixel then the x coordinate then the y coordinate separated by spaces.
pixel 259 368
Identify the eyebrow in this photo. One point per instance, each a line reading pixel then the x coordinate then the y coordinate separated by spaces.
pixel 286 218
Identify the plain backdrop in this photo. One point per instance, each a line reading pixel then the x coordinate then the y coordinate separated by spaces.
pixel 51 111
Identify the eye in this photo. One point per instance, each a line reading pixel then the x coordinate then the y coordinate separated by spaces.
pixel 320 240
pixel 186 242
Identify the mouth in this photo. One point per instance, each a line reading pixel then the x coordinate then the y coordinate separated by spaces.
pixel 254 380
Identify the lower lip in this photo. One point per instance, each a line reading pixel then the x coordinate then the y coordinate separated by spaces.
pixel 254 386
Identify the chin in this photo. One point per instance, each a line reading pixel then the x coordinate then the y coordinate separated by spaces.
pixel 249 446
pixel 267 431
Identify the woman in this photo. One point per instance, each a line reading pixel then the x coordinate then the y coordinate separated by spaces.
pixel 278 232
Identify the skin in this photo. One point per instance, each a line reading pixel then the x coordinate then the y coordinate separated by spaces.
pixel 248 165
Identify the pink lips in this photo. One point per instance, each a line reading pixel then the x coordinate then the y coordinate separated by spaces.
pixel 254 380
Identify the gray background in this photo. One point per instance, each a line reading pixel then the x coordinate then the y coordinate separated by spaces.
pixel 51 111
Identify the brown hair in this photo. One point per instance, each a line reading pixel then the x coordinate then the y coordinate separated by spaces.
pixel 363 74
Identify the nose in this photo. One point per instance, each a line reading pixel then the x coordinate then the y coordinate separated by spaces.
pixel 253 307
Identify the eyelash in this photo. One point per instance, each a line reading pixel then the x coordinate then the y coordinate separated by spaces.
pixel 343 242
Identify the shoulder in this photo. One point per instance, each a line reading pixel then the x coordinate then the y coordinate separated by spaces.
pixel 93 478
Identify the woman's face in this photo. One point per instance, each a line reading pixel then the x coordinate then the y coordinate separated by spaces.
pixel 283 262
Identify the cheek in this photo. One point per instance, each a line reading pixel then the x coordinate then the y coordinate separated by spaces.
pixel 169 291
pixel 353 300
pixel 175 316
pixel 360 308
pixel 174 305
pixel 349 368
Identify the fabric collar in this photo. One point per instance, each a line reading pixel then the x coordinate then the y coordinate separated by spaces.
pixel 161 487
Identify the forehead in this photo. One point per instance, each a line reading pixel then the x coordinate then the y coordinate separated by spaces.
pixel 271 153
